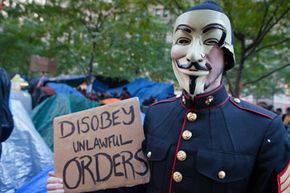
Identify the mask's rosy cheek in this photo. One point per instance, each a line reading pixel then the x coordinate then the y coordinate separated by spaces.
pixel 176 52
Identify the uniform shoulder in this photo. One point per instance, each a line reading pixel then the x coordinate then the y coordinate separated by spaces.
pixel 249 107
pixel 166 101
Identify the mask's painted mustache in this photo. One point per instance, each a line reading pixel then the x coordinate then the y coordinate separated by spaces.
pixel 196 65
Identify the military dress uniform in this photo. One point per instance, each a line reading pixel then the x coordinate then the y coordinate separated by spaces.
pixel 215 144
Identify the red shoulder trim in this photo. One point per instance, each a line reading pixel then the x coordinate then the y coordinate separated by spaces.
pixel 250 110
pixel 283 179
pixel 166 101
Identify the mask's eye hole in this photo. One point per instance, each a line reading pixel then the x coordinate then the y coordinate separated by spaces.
pixel 183 41
pixel 211 41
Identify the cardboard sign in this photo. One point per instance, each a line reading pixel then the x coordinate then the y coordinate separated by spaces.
pixel 100 148
pixel 42 64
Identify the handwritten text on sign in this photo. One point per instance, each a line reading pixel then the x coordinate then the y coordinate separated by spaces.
pixel 100 148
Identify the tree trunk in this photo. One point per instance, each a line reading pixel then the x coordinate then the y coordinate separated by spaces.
pixel 238 80
pixel 90 71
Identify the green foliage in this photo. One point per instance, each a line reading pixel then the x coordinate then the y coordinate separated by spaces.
pixel 120 38
pixel 261 44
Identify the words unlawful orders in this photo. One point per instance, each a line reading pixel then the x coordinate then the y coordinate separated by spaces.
pixel 100 148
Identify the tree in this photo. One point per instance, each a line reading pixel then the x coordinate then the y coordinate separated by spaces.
pixel 262 35
pixel 111 38
pixel 261 31
pixel 122 39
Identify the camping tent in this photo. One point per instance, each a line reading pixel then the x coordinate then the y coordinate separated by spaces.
pixel 57 105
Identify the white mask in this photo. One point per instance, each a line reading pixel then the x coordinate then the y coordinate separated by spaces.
pixel 197 54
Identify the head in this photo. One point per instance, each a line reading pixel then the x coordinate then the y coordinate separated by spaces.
pixel 279 111
pixel 288 111
pixel 202 48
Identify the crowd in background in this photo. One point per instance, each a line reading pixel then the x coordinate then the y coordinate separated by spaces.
pixel 285 116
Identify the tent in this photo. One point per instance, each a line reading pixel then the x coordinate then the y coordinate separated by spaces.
pixel 57 105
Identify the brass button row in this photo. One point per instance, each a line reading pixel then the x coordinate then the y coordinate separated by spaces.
pixel 181 155
pixel 177 176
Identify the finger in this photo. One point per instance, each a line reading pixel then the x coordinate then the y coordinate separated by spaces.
pixel 51 173
pixel 55 191
pixel 55 187
pixel 52 180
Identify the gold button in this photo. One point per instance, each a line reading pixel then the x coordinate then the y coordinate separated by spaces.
pixel 237 100
pixel 149 154
pixel 181 155
pixel 222 174
pixel 186 135
pixel 177 177
pixel 191 116
pixel 208 100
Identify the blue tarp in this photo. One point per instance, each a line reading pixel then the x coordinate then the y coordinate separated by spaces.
pixel 64 88
pixel 36 184
pixel 24 154
pixel 99 86
pixel 144 89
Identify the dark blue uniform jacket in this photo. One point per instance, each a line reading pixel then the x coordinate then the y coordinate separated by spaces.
pixel 215 144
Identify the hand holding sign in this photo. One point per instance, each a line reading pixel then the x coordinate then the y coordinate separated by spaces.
pixel 100 148
pixel 54 184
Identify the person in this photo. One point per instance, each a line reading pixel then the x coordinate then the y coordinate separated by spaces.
pixel 41 80
pixel 151 100
pixel 6 117
pixel 263 104
pixel 279 111
pixel 125 94
pixel 204 140
pixel 286 118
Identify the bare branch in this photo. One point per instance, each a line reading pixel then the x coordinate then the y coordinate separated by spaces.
pixel 268 74
pixel 264 17
pixel 273 44
pixel 267 27
pixel 251 49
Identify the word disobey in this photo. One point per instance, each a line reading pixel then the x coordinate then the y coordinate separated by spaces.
pixel 102 121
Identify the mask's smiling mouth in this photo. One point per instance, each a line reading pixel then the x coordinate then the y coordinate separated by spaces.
pixel 193 68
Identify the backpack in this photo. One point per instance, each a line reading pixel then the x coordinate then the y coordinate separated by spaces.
pixel 6 119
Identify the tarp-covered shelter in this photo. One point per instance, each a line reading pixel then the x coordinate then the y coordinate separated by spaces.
pixel 24 154
pixel 144 89
pixel 63 88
